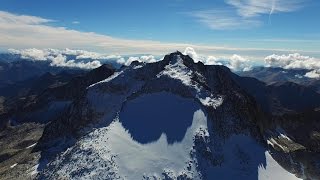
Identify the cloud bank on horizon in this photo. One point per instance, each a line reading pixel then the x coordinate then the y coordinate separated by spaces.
pixel 90 60
pixel 78 58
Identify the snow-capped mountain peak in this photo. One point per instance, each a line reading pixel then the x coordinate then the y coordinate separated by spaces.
pixel 172 119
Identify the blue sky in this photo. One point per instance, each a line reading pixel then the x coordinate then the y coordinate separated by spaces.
pixel 253 28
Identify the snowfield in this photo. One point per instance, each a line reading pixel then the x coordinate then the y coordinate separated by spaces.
pixel 132 159
pixel 113 152
pixel 274 171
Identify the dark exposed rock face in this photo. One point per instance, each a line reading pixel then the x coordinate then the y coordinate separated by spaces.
pixel 51 92
pixel 79 113
pixel 71 91
pixel 280 98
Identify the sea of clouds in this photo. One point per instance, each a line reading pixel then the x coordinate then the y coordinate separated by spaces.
pixel 90 60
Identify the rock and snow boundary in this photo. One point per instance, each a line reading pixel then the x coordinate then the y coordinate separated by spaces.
pixel 130 146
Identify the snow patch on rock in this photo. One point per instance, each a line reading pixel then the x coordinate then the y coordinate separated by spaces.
pixel 34 170
pixel 177 70
pixel 13 165
pixel 32 145
pixel 210 101
pixel 116 74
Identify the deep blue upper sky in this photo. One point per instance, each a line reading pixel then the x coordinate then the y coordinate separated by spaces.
pixel 258 24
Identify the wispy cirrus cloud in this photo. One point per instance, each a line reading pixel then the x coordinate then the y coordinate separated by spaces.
pixel 221 19
pixel 25 32
pixel 9 18
pixel 241 14
pixel 251 8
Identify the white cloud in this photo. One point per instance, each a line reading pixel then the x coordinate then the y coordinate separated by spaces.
pixel 224 19
pixel 242 14
pixel 251 8
pixel 295 61
pixel 192 53
pixel 313 74
pixel 23 32
pixel 235 62
pixel 75 22
pixel 61 61
pixel 238 63
pixel 33 54
pixel 121 61
pixel 209 60
pixel 57 57
pixel 82 54
pixel 144 59
pixel 9 18
pixel 212 60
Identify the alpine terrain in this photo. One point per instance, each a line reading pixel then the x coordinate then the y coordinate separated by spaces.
pixel 171 119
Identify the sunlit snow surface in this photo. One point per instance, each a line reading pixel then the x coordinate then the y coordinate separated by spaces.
pixel 274 171
pixel 135 160
pixel 158 156
pixel 130 159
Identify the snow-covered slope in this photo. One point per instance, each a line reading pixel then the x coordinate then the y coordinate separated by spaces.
pixel 274 171
pixel 172 119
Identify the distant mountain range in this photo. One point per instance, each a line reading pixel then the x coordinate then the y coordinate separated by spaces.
pixel 12 72
pixel 172 119
pixel 271 75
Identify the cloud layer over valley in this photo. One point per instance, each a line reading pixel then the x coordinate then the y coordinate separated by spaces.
pixel 295 61
pixel 89 60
